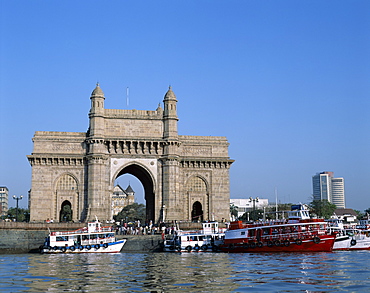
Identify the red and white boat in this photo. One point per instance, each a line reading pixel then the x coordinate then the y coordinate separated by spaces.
pixel 91 239
pixel 299 233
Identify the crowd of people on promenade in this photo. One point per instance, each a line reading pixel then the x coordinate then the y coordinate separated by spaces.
pixel 150 229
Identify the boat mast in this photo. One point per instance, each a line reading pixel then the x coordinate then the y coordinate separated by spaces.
pixel 276 204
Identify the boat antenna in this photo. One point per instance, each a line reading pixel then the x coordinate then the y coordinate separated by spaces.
pixel 276 203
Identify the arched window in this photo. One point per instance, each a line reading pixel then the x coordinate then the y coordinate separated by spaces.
pixel 66 183
pixel 197 184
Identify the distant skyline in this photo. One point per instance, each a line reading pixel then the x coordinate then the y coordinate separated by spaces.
pixel 287 82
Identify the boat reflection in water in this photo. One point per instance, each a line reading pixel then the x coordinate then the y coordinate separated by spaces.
pixel 130 272
pixel 345 271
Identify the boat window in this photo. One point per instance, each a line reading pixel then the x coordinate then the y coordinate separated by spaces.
pixel 62 238
pixel 93 236
pixel 200 238
pixel 242 233
pixel 266 231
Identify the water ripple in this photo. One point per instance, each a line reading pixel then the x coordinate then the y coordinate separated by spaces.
pixel 189 272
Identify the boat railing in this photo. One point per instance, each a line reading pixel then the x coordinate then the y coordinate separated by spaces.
pixel 287 236
pixel 97 241
pixel 82 231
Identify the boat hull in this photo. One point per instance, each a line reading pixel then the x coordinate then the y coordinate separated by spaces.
pixel 308 245
pixel 189 248
pixel 113 247
pixel 352 244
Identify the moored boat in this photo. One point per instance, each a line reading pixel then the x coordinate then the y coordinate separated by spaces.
pixel 206 240
pixel 91 239
pixel 351 239
pixel 348 238
pixel 299 233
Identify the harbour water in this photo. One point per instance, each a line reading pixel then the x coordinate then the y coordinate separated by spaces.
pixel 186 272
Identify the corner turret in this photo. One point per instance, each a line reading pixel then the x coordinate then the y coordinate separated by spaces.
pixel 170 115
pixel 96 114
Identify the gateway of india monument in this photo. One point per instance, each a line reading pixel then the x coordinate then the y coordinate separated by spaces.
pixel 184 177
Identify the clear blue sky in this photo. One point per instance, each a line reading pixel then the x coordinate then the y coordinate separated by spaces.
pixel 287 82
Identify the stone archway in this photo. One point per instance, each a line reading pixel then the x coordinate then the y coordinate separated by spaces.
pixel 66 191
pixel 143 143
pixel 197 212
pixel 198 199
pixel 149 186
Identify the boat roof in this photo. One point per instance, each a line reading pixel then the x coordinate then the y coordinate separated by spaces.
pixel 263 225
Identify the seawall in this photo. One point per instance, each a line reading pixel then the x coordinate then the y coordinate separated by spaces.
pixel 27 237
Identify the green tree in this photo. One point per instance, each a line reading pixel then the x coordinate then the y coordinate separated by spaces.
pixel 132 213
pixel 23 214
pixel 322 208
pixel 360 215
pixel 234 211
pixel 282 208
pixel 253 215
pixel 66 214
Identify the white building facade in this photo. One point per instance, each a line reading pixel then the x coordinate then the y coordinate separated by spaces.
pixel 4 193
pixel 325 186
pixel 244 205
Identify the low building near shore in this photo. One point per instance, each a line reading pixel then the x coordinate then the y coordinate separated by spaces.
pixel 244 205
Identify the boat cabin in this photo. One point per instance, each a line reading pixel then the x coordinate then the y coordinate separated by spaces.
pixel 298 212
pixel 210 227
pixel 93 234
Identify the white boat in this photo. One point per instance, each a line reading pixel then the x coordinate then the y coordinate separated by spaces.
pixel 207 240
pixel 347 238
pixel 91 239
pixel 351 239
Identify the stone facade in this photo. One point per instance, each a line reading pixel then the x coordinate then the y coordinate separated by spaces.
pixel 184 177
pixel 122 198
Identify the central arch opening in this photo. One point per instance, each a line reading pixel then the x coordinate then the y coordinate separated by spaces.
pixel 142 185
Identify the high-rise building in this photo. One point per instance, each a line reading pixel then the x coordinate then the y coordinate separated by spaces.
pixel 325 186
pixel 4 192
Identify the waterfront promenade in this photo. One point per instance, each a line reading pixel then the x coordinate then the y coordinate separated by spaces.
pixel 22 237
